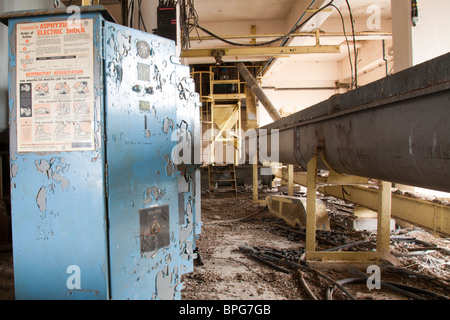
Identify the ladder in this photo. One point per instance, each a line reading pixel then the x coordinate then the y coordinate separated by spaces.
pixel 222 174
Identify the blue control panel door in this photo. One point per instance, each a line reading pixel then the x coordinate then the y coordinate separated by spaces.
pixel 146 256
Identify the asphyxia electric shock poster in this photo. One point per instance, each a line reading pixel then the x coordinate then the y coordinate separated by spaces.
pixel 55 84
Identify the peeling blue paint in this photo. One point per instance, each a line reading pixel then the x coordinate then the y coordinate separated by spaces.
pixel 58 205
pixel 139 162
pixel 66 206
pixel 41 199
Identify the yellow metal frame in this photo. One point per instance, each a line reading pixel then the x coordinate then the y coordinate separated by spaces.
pixel 206 111
pixel 90 2
pixel 367 35
pixel 261 51
pixel 383 226
pixel 293 211
pixel 384 204
pixel 210 104
pixel 254 162
pixel 427 214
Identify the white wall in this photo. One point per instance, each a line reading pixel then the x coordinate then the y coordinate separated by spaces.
pixel 149 14
pixel 306 72
pixel 371 65
pixel 427 40
pixel 289 101
pixel 298 85
pixel 430 36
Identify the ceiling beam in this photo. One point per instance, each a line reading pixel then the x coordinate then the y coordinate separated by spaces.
pixel 260 51
pixel 360 36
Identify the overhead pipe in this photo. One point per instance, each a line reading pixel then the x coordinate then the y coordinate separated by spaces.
pixel 396 129
pixel 259 93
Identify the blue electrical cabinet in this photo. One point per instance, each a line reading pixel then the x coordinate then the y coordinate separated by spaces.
pixel 101 116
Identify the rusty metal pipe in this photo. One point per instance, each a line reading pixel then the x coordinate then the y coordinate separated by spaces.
pixel 259 93
pixel 396 129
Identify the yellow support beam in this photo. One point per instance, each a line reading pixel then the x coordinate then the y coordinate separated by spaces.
pixel 368 35
pixel 311 205
pixel 293 211
pixel 290 180
pixel 383 232
pixel 253 31
pixel 261 51
pixel 384 216
pixel 429 215
pixel 346 256
pixel 255 180
pixel 90 2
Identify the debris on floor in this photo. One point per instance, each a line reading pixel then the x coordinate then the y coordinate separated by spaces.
pixel 248 253
pixel 6 273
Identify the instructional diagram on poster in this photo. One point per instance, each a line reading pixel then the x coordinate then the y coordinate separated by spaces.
pixel 55 76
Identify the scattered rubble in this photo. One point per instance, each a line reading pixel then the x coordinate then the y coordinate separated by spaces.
pixel 250 254
pixel 6 273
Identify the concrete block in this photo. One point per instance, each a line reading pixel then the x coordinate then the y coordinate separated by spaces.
pixel 284 189
pixel 366 219
pixel 369 224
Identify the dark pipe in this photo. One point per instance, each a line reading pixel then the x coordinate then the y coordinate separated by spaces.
pixel 253 85
pixel 396 129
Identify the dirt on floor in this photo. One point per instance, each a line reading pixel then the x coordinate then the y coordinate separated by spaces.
pixel 249 254
pixel 6 273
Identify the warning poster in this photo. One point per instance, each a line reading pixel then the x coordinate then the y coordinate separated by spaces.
pixel 55 91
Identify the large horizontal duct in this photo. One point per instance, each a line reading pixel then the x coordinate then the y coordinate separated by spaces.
pixel 396 129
